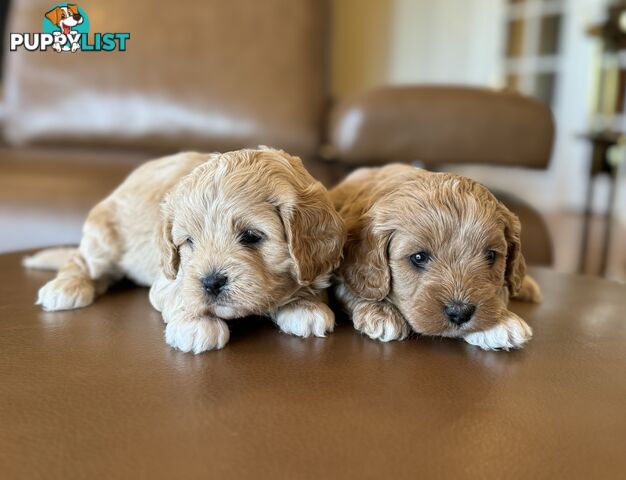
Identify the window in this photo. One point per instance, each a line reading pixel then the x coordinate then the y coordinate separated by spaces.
pixel 533 47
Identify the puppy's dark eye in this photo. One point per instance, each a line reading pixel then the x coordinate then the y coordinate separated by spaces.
pixel 420 259
pixel 250 237
pixel 491 256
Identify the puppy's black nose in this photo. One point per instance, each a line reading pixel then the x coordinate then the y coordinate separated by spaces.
pixel 214 283
pixel 77 17
pixel 459 312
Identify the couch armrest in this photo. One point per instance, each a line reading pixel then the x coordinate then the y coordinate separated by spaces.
pixel 440 124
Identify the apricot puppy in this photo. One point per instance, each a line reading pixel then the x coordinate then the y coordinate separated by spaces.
pixel 431 252
pixel 217 237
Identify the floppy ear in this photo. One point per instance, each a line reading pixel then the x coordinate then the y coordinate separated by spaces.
pixel 315 233
pixel 53 15
pixel 515 263
pixel 170 258
pixel 365 268
pixel 73 8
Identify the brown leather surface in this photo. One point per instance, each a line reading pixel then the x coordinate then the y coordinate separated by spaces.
pixel 197 74
pixel 96 393
pixel 45 194
pixel 440 124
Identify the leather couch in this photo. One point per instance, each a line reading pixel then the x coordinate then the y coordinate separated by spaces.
pixel 216 75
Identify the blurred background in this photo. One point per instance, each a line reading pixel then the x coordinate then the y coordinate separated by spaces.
pixel 525 96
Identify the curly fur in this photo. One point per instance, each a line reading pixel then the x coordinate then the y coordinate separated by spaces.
pixel 178 219
pixel 398 210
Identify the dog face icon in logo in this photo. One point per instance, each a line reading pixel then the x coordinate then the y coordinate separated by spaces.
pixel 66 28
pixel 65 18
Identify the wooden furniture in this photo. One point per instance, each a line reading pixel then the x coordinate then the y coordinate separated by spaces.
pixel 601 143
pixel 607 123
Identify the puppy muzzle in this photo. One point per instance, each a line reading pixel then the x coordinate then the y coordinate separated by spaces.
pixel 458 312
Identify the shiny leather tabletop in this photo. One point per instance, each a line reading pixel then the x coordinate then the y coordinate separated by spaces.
pixel 96 393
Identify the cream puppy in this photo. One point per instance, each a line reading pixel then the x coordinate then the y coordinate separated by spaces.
pixel 217 237
pixel 430 252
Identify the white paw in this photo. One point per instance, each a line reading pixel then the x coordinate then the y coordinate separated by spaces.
pixel 197 336
pixel 305 320
pixel 512 332
pixel 380 321
pixel 66 294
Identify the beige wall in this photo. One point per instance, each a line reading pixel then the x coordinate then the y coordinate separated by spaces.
pixel 415 41
pixel 361 38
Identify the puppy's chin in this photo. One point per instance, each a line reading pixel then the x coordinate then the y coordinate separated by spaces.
pixel 455 331
pixel 434 324
pixel 438 328
pixel 228 312
pixel 443 328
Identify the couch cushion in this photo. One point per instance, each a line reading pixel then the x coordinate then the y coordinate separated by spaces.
pixel 197 74
pixel 45 194
pixel 440 125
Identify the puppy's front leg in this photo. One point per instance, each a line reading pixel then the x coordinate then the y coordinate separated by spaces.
pixel 196 334
pixel 164 293
pixel 305 317
pixel 186 331
pixel 510 332
pixel 378 320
